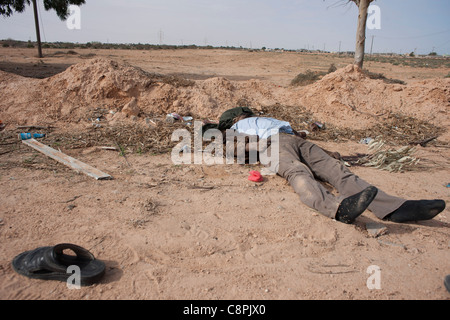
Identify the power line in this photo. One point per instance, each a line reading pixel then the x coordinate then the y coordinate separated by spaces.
pixel 415 37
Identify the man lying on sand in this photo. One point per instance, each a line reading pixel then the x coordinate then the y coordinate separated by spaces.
pixel 301 162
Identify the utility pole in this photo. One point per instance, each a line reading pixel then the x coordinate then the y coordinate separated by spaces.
pixel 339 47
pixel 161 36
pixel 38 33
pixel 371 46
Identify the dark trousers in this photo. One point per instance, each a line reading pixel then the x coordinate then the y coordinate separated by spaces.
pixel 302 162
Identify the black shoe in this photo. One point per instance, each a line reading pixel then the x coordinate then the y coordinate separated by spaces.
pixel 416 210
pixel 51 263
pixel 447 282
pixel 353 206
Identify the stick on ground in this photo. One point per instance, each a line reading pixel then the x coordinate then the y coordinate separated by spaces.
pixel 67 160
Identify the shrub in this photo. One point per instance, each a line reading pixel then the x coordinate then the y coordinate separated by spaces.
pixel 303 79
pixel 332 68
pixel 380 76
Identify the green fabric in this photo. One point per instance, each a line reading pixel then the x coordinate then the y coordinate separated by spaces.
pixel 226 119
pixel 208 126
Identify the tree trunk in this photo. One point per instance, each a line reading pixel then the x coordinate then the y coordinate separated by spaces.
pixel 38 33
pixel 361 32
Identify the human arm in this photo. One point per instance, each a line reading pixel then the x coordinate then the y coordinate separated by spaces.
pixel 244 146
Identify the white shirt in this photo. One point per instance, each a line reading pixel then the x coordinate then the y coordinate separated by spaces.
pixel 262 127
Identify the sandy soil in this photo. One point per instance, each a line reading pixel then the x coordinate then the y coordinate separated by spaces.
pixel 170 231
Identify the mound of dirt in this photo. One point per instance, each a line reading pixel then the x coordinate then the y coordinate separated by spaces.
pixel 72 95
pixel 346 97
pixel 349 98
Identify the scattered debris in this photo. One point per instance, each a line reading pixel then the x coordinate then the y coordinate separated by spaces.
pixel 385 158
pixel 375 229
pixel 315 126
pixel 365 141
pixel 5 152
pixel 392 244
pixel 171 117
pixel 255 176
pixel 71 200
pixel 109 148
pixel 26 136
pixel 423 143
pixel 139 138
pixel 35 127
pixel 202 187
pixel 394 129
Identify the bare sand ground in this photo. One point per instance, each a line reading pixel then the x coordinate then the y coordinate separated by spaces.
pixel 170 231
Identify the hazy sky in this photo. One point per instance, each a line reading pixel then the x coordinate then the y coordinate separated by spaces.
pixel 406 25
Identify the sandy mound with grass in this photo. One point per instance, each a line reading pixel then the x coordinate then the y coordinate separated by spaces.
pixel 74 94
pixel 349 97
pixel 346 98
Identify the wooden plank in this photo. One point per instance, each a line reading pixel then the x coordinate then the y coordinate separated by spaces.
pixel 67 160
